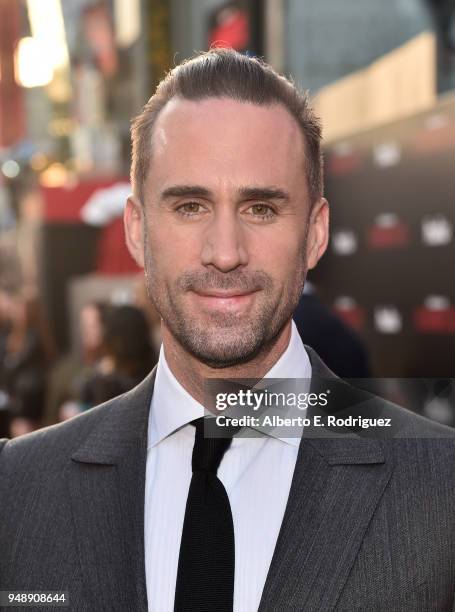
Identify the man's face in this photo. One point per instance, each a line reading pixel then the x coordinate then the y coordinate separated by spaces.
pixel 225 232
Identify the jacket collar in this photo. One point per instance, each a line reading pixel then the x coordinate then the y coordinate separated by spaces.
pixel 125 425
pixel 343 445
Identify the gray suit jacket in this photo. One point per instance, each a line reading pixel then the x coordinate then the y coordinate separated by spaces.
pixel 369 524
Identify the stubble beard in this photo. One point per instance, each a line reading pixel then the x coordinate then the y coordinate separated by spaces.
pixel 221 340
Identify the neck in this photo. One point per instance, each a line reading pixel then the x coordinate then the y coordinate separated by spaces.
pixel 192 373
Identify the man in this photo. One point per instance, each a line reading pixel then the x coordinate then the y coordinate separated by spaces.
pixel 130 506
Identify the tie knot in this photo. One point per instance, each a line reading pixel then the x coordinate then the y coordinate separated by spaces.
pixel 208 452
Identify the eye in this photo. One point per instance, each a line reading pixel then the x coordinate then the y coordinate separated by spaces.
pixel 189 209
pixel 262 211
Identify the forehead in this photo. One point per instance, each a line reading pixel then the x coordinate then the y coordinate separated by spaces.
pixel 220 138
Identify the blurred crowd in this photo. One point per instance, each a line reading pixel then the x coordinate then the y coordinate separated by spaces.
pixel 118 346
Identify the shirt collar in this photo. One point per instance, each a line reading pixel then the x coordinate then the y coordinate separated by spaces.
pixel 172 407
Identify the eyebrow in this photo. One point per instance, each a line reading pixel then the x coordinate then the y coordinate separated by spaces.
pixel 177 191
pixel 264 193
pixel 245 193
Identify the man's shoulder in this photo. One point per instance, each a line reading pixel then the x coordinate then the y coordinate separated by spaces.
pixel 407 424
pixel 422 450
pixel 50 442
pixel 373 422
pixel 353 397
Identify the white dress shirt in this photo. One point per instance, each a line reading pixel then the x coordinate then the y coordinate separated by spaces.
pixel 256 473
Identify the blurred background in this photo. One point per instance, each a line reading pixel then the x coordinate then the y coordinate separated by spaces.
pixel 75 326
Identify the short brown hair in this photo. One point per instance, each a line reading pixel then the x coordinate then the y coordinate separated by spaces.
pixel 225 73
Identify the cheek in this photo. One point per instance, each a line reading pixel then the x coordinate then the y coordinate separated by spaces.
pixel 169 253
pixel 170 238
pixel 280 255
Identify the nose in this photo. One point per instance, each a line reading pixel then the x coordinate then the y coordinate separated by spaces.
pixel 224 243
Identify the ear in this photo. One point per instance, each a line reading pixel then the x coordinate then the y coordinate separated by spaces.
pixel 134 219
pixel 318 232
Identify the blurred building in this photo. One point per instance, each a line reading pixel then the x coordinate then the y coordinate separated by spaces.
pixel 318 42
pixel 328 40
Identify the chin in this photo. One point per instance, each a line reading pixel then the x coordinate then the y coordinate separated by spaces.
pixel 220 361
pixel 222 354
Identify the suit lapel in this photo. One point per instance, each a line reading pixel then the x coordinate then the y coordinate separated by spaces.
pixel 331 502
pixel 107 488
pixel 337 484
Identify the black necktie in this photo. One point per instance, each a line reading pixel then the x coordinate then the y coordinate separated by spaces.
pixel 205 576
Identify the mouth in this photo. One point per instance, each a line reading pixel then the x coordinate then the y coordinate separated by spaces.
pixel 224 294
pixel 230 301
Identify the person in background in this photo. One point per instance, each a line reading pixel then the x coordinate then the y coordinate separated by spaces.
pixel 127 357
pixel 61 394
pixel 26 352
pixel 339 346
